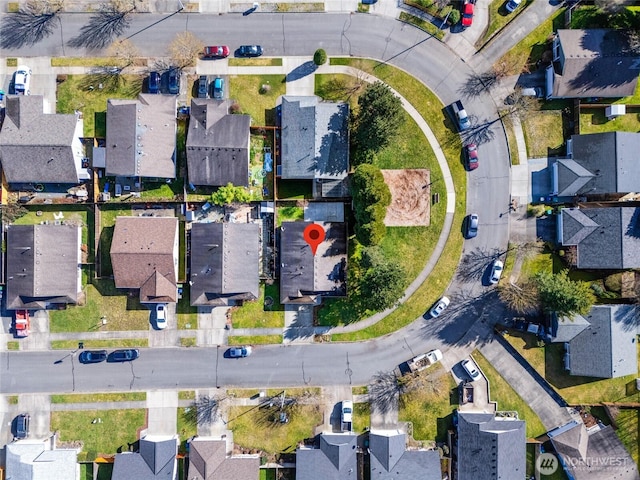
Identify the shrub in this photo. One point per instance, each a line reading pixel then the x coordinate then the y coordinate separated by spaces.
pixel 613 282
pixel 320 57
pixel 454 17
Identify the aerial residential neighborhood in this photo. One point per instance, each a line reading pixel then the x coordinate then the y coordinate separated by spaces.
pixel 313 241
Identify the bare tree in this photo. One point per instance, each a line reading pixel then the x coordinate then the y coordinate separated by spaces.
pixel 124 51
pixel 205 410
pixel 477 83
pixel 108 23
pixel 385 390
pixel 474 264
pixel 185 49
pixel 31 24
pixel 523 299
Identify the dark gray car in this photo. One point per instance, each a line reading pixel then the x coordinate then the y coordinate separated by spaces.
pixel 126 355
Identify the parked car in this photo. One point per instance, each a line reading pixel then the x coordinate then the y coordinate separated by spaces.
pixel 216 51
pixel 512 5
pixel 154 82
pixel 496 271
pixel 467 13
pixel 471 151
pixel 21 426
pixel 174 81
pixel 439 307
pixel 218 88
pixel 471 226
pixel 537 92
pixel 93 356
pixel 22 80
pixel 125 355
pixel 471 369
pixel 250 51
pixel 239 352
pixel 161 317
pixel 203 87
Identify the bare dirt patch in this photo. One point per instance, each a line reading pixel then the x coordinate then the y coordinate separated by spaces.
pixel 410 197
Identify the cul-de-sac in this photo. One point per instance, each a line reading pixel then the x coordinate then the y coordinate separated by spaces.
pixel 335 240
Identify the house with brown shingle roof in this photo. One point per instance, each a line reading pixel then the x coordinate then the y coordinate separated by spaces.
pixel 144 256
pixel 208 460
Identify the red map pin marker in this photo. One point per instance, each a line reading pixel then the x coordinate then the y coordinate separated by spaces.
pixel 314 236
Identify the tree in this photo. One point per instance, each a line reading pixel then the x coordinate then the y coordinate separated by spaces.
pixel 379 118
pixel 185 49
pixel 520 104
pixel 560 294
pixel 229 194
pixel 320 57
pixel 382 283
pixel 123 50
pixel 12 211
pixel 32 23
pixel 371 197
pixel 523 299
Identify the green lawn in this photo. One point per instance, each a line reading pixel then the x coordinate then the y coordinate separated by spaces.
pixel 256 314
pixel 116 429
pixel 293 189
pixel 257 101
pixel 289 214
pixel 361 417
pixel 117 343
pixel 258 428
pixel 123 312
pixel 593 120
pixel 508 399
pixel 543 133
pixel 187 315
pixel 72 215
pixel 186 426
pixel 83 93
pixel 254 340
pixel 425 25
pixel 99 397
pixel 499 18
pixel 628 422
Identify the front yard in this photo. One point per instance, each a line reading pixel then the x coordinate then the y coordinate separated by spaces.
pixel 265 312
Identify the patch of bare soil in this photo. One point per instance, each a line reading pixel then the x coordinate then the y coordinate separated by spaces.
pixel 410 197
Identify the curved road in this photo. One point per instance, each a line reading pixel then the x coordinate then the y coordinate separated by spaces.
pixel 358 35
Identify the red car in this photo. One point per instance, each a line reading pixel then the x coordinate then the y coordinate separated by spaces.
pixel 472 156
pixel 217 51
pixel 467 14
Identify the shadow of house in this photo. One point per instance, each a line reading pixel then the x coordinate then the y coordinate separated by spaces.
pixel 598 164
pixel 594 453
pixel 217 144
pixel 332 457
pixel 592 63
pixel 41 148
pixel 40 461
pixel 43 265
pixel 144 256
pixel 155 460
pixel 224 263
pixel 141 137
pixel 304 277
pixel 601 236
pixel 601 344
pixel 209 460
pixel 314 144
pixel 490 447
pixel 390 459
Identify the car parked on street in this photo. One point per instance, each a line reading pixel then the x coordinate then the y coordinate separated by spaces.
pixel 21 426
pixel 22 80
pixel 161 316
pixel 124 355
pixel 154 82
pixel 439 307
pixel 203 87
pixel 92 356
pixel 174 81
pixel 471 369
pixel 471 151
pixel 216 51
pixel 250 51
pixel 471 226
pixel 239 352
pixel 218 88
pixel 496 272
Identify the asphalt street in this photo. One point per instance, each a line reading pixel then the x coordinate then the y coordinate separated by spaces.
pixel 356 35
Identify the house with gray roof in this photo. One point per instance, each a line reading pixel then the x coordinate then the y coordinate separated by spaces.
pixel 224 263
pixel 390 458
pixel 155 460
pixel 43 265
pixel 332 457
pixel 141 136
pixel 603 238
pixel 209 460
pixel 594 62
pixel 598 164
pixel 217 144
pixel 38 147
pixel 144 256
pixel 490 447
pixel 306 278
pixel 40 460
pixel 314 144
pixel 603 342
pixel 594 453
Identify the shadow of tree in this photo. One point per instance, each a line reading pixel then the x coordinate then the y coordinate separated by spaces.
pixel 103 27
pixel 28 26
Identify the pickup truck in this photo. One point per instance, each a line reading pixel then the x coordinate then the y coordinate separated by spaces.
pixel 460 116
pixel 346 416
pixel 21 324
pixel 423 361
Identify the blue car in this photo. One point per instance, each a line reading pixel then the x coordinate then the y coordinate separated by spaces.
pixel 154 82
pixel 126 355
pixel 93 356
pixel 174 81
pixel 218 88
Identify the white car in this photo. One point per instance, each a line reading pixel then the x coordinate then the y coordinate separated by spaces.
pixel 439 307
pixel 347 411
pixel 496 272
pixel 161 316
pixel 22 80
pixel 512 5
pixel 471 369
